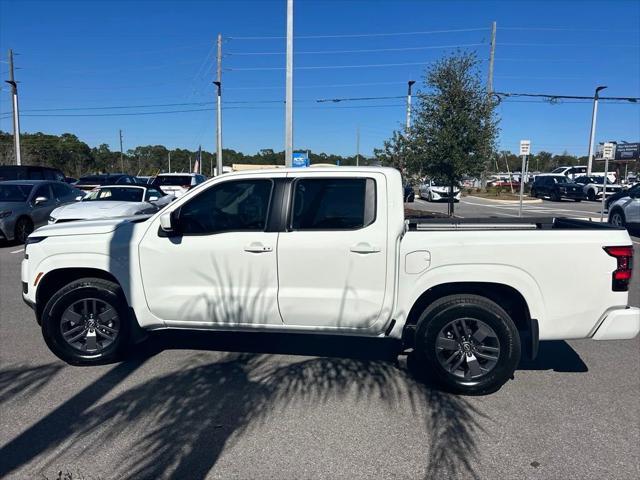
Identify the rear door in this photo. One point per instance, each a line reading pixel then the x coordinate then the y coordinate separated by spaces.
pixel 332 258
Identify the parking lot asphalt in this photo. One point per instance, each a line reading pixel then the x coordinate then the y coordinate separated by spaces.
pixel 211 405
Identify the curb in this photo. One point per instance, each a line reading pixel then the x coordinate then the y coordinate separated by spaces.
pixel 524 201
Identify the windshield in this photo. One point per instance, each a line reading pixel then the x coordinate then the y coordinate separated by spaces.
pixel 117 194
pixel 559 170
pixel 14 193
pixel 560 179
pixel 600 180
pixel 173 180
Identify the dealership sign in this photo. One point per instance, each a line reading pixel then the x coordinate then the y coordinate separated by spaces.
pixel 623 152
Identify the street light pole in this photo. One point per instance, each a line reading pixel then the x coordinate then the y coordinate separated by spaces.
pixel 410 84
pixel 594 115
pixel 288 143
pixel 16 112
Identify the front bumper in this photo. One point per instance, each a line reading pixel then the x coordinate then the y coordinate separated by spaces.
pixel 444 195
pixel 619 324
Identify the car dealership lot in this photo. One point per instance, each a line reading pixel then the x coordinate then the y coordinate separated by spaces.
pixel 470 206
pixel 195 406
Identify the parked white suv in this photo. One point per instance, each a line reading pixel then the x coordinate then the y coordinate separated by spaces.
pixel 328 251
pixel 177 184
pixel 625 212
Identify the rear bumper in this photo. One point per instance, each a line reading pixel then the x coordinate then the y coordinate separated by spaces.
pixel 619 324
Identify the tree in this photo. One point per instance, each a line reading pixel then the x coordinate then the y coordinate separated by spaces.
pixel 454 130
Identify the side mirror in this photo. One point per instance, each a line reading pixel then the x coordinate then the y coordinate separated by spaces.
pixel 166 222
pixel 40 200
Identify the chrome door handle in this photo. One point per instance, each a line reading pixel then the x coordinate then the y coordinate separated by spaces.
pixel 257 248
pixel 364 247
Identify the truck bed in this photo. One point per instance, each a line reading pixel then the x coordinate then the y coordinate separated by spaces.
pixel 525 223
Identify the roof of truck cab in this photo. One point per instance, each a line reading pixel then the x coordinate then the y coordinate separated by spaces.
pixel 320 170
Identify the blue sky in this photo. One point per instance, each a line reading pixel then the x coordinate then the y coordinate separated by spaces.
pixel 106 54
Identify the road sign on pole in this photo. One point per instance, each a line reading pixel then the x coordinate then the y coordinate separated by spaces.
pixel 525 150
pixel 608 153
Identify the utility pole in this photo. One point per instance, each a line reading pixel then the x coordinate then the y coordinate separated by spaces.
pixel 16 112
pixel 288 142
pixel 492 57
pixel 190 164
pixel 410 84
pixel 121 157
pixel 169 161
pixel 592 135
pixel 358 147
pixel 218 84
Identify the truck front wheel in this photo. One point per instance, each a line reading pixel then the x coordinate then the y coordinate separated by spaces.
pixel 87 322
pixel 469 344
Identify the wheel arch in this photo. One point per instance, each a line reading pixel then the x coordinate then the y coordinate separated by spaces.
pixel 54 280
pixel 508 297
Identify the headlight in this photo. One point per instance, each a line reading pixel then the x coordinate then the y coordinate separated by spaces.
pixel 52 220
pixel 31 240
pixel 5 213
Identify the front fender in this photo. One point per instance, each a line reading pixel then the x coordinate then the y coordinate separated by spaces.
pixel 121 271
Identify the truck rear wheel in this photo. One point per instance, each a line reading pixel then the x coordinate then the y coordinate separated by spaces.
pixel 87 322
pixel 469 344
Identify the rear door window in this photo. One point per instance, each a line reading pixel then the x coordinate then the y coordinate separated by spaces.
pixel 61 191
pixel 333 203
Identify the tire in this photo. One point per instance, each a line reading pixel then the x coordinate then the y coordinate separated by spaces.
pixel 556 197
pixel 429 197
pixel 23 228
pixel 534 193
pixel 475 375
pixel 63 312
pixel 591 196
pixel 617 218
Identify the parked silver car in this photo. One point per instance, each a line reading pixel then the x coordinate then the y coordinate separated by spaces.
pixel 26 204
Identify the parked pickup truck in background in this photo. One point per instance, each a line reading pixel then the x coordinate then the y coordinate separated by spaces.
pixel 328 250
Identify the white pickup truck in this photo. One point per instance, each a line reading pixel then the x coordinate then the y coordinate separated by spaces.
pixel 328 250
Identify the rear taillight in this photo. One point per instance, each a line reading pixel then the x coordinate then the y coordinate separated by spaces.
pixel 622 274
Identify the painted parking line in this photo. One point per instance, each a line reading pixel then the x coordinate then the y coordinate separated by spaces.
pixel 534 209
pixel 18 251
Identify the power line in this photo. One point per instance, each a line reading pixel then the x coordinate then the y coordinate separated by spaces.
pixel 569 29
pixel 199 110
pixel 327 67
pixel 573 45
pixel 336 100
pixel 334 85
pixel 366 50
pixel 572 97
pixel 359 35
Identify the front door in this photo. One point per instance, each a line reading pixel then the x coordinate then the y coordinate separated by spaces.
pixel 41 211
pixel 221 269
pixel 332 260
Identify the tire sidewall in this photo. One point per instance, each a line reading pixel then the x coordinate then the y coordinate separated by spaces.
pixel 508 338
pixel 613 214
pixel 28 229
pixel 52 316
